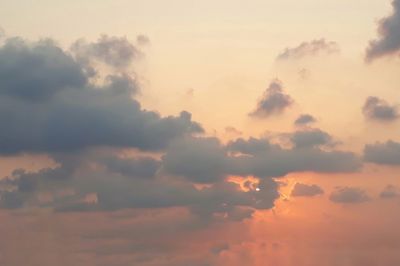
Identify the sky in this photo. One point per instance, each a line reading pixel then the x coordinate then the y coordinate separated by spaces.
pixel 188 133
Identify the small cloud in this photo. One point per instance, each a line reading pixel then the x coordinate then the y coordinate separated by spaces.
pixel 388 42
pixel 390 192
pixel 379 109
pixel 304 73
pixel 143 40
pixel 274 101
pixel 233 131
pixel 387 153
pixel 349 195
pixel 312 48
pixel 305 119
pixel 304 190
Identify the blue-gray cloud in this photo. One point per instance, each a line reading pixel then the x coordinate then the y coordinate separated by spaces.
pixel 379 109
pixel 274 101
pixel 304 119
pixel 47 104
pixel 388 42
pixel 387 153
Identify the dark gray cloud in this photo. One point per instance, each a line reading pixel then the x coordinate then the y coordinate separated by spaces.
pixel 202 160
pixel 304 119
pixel 349 195
pixel 379 109
pixel 312 48
pixel 388 42
pixel 144 167
pixel 117 189
pixel 73 114
pixel 387 153
pixel 390 192
pixel 305 190
pixel 37 72
pixel 311 138
pixel 274 101
pixel 207 160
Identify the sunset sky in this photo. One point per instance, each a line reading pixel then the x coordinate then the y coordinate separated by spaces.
pixel 200 133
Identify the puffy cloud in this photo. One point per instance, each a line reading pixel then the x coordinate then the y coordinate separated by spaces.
pixel 349 195
pixel 117 52
pixel 305 190
pixel 37 72
pixel 390 192
pixel 383 153
pixel 48 105
pixel 389 35
pixel 311 138
pixel 312 48
pixel 378 109
pixel 304 119
pixel 274 101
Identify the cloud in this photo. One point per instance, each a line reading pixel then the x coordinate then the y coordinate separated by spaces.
pixel 388 42
pixel 387 153
pixel 305 119
pixel 206 160
pixel 144 167
pixel 116 187
pixel 305 190
pixel 390 192
pixel 312 48
pixel 311 138
pixel 143 40
pixel 349 195
pixel 117 52
pixel 274 101
pixel 202 160
pixel 380 110
pixel 47 103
